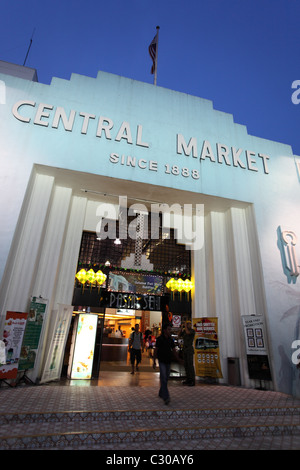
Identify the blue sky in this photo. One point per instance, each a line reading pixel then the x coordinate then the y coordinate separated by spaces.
pixel 243 55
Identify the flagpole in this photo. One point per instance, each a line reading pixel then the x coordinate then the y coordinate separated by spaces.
pixel 155 70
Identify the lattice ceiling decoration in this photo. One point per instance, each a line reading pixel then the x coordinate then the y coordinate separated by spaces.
pixel 162 255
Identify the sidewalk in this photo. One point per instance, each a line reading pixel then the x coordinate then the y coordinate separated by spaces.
pixel 121 412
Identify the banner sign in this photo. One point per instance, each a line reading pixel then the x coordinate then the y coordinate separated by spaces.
pixel 254 334
pixel 256 349
pixel 121 300
pixel 13 332
pixel 32 333
pixel 52 369
pixel 84 346
pixel 135 283
pixel 206 345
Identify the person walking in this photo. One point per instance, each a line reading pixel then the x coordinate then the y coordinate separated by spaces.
pixel 164 351
pixel 136 346
pixel 188 334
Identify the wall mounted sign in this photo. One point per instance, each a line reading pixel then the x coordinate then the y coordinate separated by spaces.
pixel 132 301
pixel 103 127
pixel 135 283
pixel 290 260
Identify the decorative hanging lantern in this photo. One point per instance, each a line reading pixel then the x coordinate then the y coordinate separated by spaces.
pixel 172 284
pixel 179 285
pixel 188 285
pixel 81 276
pixel 100 277
pixel 90 276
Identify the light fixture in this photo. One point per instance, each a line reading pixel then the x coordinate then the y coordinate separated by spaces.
pixel 91 277
pixel 100 277
pixel 117 241
pixel 172 284
pixel 107 263
pixel 81 276
pixel 179 285
pixel 188 285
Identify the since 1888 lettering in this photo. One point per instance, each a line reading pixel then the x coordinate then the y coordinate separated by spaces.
pixel 152 165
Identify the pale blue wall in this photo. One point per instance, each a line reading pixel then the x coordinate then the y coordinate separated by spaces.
pixel 163 114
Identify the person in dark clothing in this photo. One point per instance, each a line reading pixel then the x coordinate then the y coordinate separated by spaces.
pixel 164 351
pixel 188 334
pixel 136 347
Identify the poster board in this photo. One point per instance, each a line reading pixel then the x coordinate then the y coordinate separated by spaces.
pixel 256 347
pixel 84 345
pixel 14 327
pixel 206 346
pixel 52 369
pixel 31 339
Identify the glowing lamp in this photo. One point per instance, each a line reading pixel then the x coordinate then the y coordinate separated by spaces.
pixel 172 284
pixel 90 276
pixel 100 277
pixel 188 285
pixel 179 285
pixel 81 276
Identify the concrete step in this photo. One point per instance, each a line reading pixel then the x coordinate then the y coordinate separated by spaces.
pixel 162 427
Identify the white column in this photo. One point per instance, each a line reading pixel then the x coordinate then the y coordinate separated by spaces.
pixel 70 253
pixel 199 293
pixel 242 279
pixel 17 282
pixel 44 283
pixel 68 262
pixel 224 310
pixel 51 247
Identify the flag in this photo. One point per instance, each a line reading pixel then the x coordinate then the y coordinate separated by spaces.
pixel 152 52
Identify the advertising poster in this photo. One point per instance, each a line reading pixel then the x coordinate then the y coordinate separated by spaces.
pixel 256 349
pixel 207 353
pixel 53 364
pixel 254 334
pixel 135 283
pixel 13 332
pixel 84 346
pixel 32 333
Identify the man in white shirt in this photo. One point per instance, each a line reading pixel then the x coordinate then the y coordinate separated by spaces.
pixel 136 347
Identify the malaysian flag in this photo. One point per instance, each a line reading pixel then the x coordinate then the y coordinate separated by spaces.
pixel 152 52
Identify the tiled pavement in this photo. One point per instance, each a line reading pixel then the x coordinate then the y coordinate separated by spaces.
pixel 124 412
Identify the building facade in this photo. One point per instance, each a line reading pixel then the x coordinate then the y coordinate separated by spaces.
pixel 74 144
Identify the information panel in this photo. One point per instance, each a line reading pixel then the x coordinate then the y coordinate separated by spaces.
pixel 52 369
pixel 13 332
pixel 256 348
pixel 32 333
pixel 84 346
pixel 207 353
